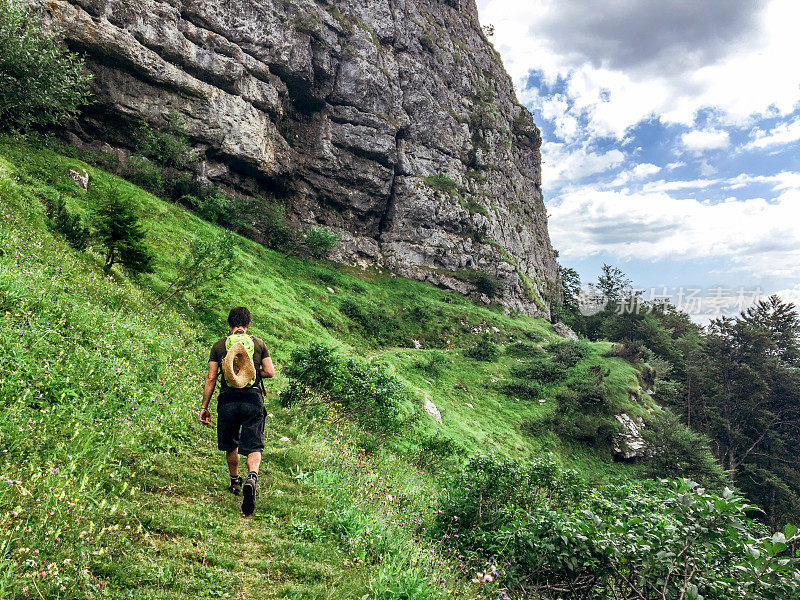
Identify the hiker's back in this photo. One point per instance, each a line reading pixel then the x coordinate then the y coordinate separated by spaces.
pixel 239 389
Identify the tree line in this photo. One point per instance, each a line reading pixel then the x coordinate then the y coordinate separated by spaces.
pixel 735 380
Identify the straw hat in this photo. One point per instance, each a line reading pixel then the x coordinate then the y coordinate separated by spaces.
pixel 238 367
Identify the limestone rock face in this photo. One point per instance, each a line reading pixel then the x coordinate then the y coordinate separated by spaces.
pixel 630 445
pixel 392 121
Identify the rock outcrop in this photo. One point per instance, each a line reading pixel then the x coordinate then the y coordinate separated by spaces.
pixel 392 121
pixel 629 445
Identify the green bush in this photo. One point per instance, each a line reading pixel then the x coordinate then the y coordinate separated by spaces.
pixel 634 351
pixel 436 450
pixel 678 452
pixel 568 353
pixel 319 241
pixel 523 389
pixel 442 183
pixel 523 350
pixel 555 537
pixel 143 172
pixel 67 224
pixel 428 43
pixel 540 370
pixel 375 323
pixel 367 395
pixel 484 282
pixel 41 83
pixel 585 409
pixel 432 363
pixel 484 350
pixel 168 147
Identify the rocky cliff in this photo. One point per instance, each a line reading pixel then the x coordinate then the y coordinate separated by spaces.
pixel 390 120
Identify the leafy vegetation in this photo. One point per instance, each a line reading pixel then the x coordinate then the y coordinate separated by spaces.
pixel 553 536
pixel 41 83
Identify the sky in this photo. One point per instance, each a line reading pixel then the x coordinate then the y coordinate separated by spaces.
pixel 671 139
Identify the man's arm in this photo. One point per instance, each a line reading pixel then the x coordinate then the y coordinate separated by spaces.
pixel 267 368
pixel 208 390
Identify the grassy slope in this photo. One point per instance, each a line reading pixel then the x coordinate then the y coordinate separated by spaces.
pixel 119 480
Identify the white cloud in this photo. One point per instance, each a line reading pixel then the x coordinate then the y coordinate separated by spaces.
pixel 634 59
pixel 699 140
pixel 755 235
pixel 791 294
pixel 785 133
pixel 562 165
pixel 645 170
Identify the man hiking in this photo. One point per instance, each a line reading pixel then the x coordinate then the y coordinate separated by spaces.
pixel 244 361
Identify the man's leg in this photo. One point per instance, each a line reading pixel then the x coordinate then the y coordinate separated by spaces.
pixel 252 445
pixel 253 462
pixel 232 457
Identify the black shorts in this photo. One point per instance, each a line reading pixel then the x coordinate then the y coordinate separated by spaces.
pixel 240 425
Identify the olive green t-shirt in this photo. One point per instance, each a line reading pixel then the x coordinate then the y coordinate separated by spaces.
pixel 245 394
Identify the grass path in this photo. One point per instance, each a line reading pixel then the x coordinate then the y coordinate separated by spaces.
pixel 198 534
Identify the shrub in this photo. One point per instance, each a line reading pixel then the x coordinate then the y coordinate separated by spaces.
pixel 432 363
pixel 540 370
pixel 585 409
pixel 442 183
pixel 436 449
pixel 144 173
pixel 484 350
pixel 369 396
pixel 277 231
pixel 556 537
pixel 41 83
pixel 319 241
pixel 205 262
pixel 168 147
pixel 428 43
pixel 634 351
pixel 214 208
pixel 568 353
pixel 677 452
pixel 523 349
pixel 67 224
pixel 484 282
pixel 523 389
pixel 375 323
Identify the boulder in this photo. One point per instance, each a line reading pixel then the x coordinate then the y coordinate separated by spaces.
pixel 431 409
pixel 629 445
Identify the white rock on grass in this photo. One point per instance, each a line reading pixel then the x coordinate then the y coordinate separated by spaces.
pixel 431 409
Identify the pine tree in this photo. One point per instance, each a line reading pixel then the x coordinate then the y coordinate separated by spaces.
pixel 119 231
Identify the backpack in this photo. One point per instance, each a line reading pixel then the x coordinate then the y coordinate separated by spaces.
pixel 237 365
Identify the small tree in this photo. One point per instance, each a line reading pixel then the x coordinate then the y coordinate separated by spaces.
pixel 119 231
pixel 40 82
pixel 206 261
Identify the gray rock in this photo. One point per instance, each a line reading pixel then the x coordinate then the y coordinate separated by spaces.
pixel 80 177
pixel 564 331
pixel 629 445
pixel 431 409
pixel 343 109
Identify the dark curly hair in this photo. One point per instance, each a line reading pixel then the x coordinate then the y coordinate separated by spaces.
pixel 239 317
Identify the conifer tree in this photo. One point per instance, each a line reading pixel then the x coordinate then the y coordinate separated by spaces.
pixel 119 231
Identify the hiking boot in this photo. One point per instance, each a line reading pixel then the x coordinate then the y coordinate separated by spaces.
pixel 235 487
pixel 249 492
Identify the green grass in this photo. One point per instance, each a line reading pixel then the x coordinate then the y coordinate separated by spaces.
pixel 121 492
